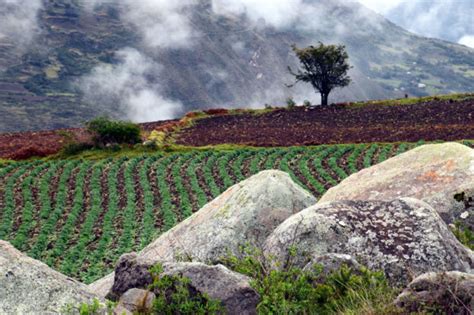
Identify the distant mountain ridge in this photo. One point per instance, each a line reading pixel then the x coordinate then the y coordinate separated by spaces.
pixel 233 61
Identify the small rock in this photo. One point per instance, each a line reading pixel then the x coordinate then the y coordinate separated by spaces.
pixel 448 292
pixel 464 215
pixel 135 301
pixel 129 274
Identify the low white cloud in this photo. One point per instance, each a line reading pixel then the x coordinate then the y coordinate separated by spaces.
pixel 19 20
pixel 445 19
pixel 161 23
pixel 467 40
pixel 132 85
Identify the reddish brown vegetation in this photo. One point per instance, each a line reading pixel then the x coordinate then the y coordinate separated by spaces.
pixel 343 123
pixel 216 111
pixel 23 145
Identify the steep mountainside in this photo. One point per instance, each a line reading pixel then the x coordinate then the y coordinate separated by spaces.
pixel 232 60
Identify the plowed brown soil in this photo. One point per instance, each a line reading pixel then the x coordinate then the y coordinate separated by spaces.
pixel 341 123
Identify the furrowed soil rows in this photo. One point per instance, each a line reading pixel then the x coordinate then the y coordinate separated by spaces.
pixel 432 120
pixel 86 214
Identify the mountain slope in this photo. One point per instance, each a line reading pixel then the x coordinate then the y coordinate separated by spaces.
pixel 232 60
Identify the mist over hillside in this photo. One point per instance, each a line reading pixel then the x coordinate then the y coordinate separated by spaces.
pixel 452 20
pixel 65 61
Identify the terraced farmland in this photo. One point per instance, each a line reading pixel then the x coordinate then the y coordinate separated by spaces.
pixel 79 216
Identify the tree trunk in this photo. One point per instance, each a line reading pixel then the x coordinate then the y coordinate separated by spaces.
pixel 324 98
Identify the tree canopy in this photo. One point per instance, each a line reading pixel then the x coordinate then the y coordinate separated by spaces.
pixel 325 67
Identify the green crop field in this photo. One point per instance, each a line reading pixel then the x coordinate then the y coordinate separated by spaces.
pixel 79 216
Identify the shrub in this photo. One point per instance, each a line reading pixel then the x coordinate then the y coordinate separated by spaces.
pixel 175 295
pixel 307 103
pixel 464 234
pixel 290 103
pixel 74 148
pixel 93 308
pixel 107 132
pixel 292 290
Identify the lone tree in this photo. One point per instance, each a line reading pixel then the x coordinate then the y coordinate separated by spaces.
pixel 324 66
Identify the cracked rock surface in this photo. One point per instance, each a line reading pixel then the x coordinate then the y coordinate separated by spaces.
pixel 404 238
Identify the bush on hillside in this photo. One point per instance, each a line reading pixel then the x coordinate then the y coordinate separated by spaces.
pixel 290 103
pixel 108 132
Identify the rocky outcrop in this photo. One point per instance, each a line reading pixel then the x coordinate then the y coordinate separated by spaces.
pixel 447 292
pixel 28 286
pixel 405 237
pixel 440 174
pixel 218 282
pixel 245 214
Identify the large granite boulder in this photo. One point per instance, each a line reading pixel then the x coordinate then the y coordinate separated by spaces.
pixel 28 286
pixel 447 292
pixel 217 282
pixel 440 174
pixel 405 237
pixel 243 215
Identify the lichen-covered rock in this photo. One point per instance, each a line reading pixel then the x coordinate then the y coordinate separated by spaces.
pixel 447 292
pixel 440 174
pixel 28 286
pixel 135 301
pixel 219 283
pixel 244 214
pixel 405 237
